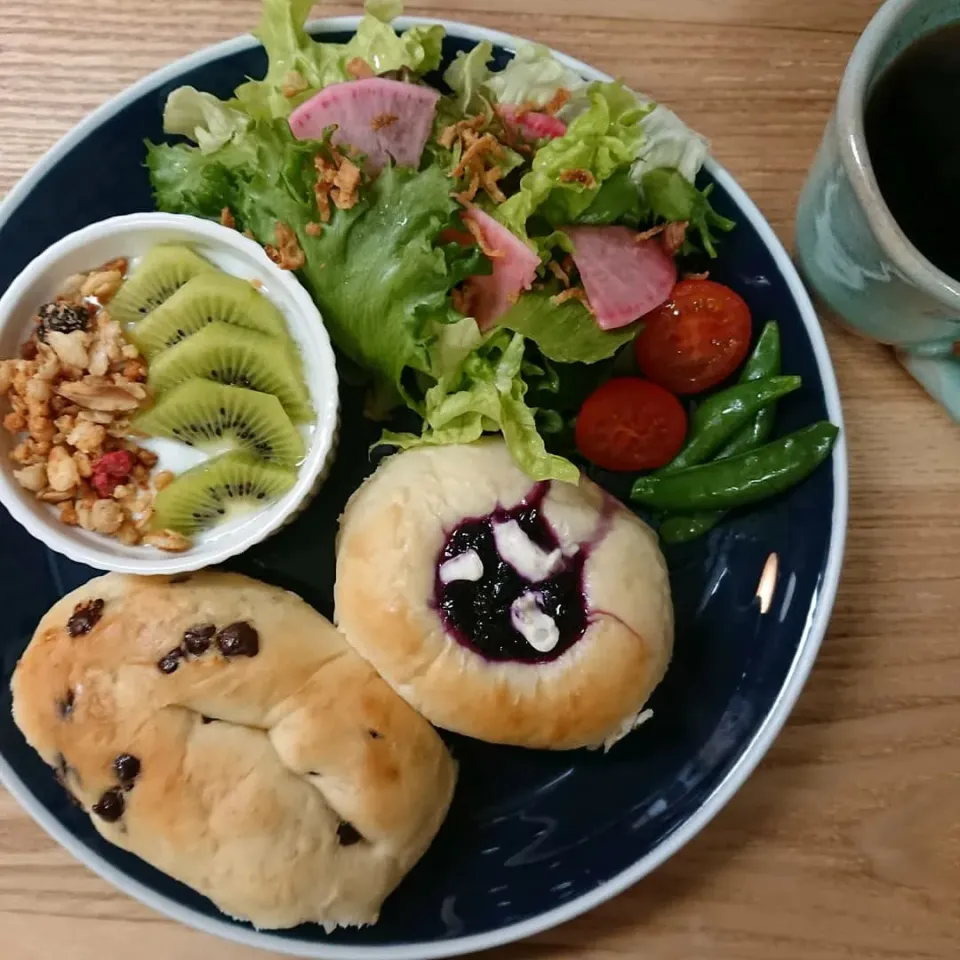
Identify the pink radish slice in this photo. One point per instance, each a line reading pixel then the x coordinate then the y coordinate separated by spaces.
pixel 379 118
pixel 532 124
pixel 625 278
pixel 514 270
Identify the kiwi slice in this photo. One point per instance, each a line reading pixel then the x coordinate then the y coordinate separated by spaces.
pixel 237 358
pixel 156 278
pixel 210 492
pixel 202 414
pixel 208 298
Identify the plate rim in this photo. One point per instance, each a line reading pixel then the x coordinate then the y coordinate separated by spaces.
pixel 813 634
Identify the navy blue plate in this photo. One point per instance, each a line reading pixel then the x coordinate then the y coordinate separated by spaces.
pixel 533 838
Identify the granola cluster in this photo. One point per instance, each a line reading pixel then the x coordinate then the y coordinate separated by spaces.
pixel 72 394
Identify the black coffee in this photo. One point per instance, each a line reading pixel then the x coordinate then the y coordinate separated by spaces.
pixel 913 136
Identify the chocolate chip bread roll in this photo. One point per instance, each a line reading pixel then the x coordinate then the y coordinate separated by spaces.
pixel 223 731
pixel 534 614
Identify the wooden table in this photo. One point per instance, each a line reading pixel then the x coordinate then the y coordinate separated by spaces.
pixel 846 842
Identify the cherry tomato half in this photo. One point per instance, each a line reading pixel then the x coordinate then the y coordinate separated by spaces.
pixel 631 424
pixel 696 339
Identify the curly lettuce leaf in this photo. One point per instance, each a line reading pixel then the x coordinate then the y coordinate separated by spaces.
pixel 600 141
pixel 487 393
pixel 672 198
pixel 534 76
pixel 299 66
pixel 669 144
pixel 202 118
pixel 566 333
pixel 467 77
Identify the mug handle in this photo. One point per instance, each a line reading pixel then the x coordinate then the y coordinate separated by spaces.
pixel 938 372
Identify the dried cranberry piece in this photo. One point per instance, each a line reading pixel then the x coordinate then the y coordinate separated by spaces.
pixel 110 470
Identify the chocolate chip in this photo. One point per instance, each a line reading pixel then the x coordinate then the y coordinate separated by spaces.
pixel 239 640
pixel 127 768
pixel 171 661
pixel 110 806
pixel 197 639
pixel 85 617
pixel 65 705
pixel 375 734
pixel 181 578
pixel 347 834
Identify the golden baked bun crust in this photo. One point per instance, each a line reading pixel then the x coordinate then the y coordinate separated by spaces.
pixel 391 536
pixel 272 770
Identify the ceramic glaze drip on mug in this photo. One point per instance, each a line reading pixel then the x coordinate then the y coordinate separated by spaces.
pixel 913 140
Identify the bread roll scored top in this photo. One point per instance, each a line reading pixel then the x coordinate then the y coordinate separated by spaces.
pixel 266 765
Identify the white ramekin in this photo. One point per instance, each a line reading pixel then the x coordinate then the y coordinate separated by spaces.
pixel 132 236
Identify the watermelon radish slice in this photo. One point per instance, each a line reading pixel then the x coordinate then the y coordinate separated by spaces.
pixel 514 270
pixel 625 278
pixel 531 124
pixel 382 119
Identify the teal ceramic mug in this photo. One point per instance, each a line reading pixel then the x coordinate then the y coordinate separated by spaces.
pixel 850 248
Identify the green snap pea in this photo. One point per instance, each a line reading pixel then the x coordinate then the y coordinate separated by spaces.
pixel 763 362
pixel 720 417
pixel 741 480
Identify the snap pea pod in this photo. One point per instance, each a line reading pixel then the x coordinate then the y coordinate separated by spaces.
pixel 741 480
pixel 763 362
pixel 720 417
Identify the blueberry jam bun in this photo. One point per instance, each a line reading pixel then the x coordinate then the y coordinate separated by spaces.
pixel 533 614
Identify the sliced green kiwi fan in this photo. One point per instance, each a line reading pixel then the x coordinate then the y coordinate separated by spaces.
pixel 156 278
pixel 234 357
pixel 209 298
pixel 204 414
pixel 211 491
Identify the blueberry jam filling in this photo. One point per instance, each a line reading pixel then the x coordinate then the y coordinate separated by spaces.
pixel 492 607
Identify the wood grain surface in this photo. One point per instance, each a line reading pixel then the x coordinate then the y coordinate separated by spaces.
pixel 846 842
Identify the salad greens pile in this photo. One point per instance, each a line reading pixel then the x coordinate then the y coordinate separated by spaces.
pixel 385 271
